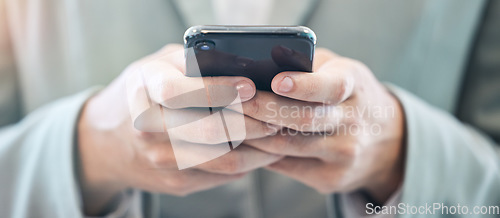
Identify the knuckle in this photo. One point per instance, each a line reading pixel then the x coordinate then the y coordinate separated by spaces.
pixel 134 67
pixel 254 107
pixel 340 91
pixel 326 189
pixel 281 142
pixel 170 48
pixel 351 121
pixel 160 86
pixel 144 136
pixel 178 185
pixel 135 87
pixel 167 90
pixel 307 120
pixel 324 51
pixel 321 122
pixel 348 152
pixel 305 148
pixel 159 159
pixel 344 153
pixel 267 129
pixel 357 65
pixel 233 163
pixel 329 184
pixel 182 190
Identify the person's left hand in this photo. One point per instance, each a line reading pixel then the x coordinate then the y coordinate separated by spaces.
pixel 341 130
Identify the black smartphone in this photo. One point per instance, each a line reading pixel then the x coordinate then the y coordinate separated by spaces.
pixel 256 52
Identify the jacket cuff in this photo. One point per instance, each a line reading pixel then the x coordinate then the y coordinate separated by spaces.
pixel 61 152
pixel 37 160
pixel 447 162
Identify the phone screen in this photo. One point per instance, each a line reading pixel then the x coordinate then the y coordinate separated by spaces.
pixel 256 55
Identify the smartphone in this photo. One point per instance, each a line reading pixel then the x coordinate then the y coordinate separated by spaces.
pixel 256 52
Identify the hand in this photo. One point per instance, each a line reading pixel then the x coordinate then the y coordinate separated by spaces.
pixel 115 155
pixel 342 130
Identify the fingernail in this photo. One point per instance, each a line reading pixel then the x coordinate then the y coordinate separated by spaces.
pixel 286 50
pixel 285 85
pixel 245 90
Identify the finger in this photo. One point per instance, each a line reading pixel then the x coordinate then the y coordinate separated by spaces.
pixel 139 97
pixel 184 182
pixel 328 147
pixel 165 51
pixel 181 155
pixel 205 126
pixel 303 144
pixel 333 83
pixel 325 178
pixel 240 160
pixel 169 48
pixel 170 53
pixel 173 54
pixel 285 112
pixel 299 169
pixel 157 155
pixel 217 158
pixel 156 81
pixel 168 86
pixel 151 137
pixel 197 180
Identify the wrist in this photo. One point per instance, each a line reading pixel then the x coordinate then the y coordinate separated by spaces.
pixel 99 187
pixel 391 176
pixel 382 188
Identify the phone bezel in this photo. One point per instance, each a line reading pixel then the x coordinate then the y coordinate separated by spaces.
pixel 203 30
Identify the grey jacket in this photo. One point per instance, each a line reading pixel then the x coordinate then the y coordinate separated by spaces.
pixel 52 49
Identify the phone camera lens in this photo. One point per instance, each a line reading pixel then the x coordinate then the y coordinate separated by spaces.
pixel 205 45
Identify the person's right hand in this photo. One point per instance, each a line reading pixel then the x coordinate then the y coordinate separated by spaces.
pixel 115 156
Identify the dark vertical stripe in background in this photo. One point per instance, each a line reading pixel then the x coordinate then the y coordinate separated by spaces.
pixel 479 103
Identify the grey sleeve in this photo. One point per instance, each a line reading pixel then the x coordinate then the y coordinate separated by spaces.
pixel 37 163
pixel 447 163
